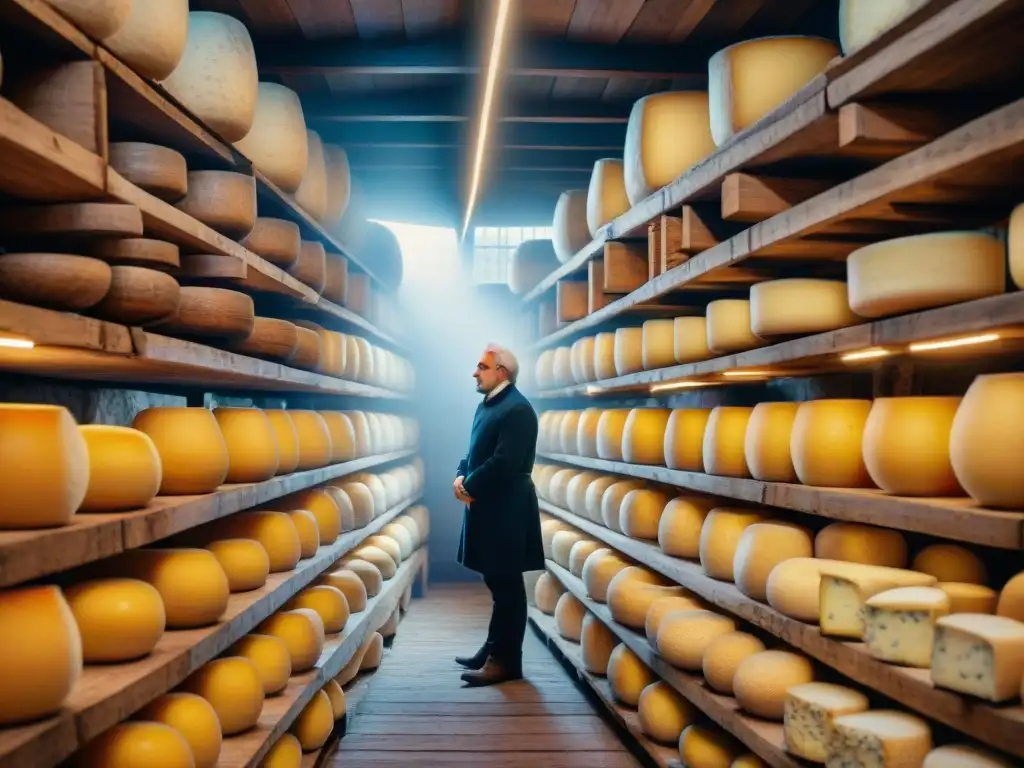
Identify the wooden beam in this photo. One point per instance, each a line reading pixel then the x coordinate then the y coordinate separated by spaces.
pixel 751 199
pixel 889 130
pixel 625 267
pixel 571 300
pixel 596 296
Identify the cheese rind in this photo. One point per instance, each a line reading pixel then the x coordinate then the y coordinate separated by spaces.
pixel 641 511
pixel 278 144
pixel 861 21
pixel 658 344
pixel 664 713
pixel 979 655
pixel 810 711
pixel 610 431
pixel 628 676
pixel 724 437
pixel 825 443
pixel 596 645
pixel 691 339
pixel 124 469
pixel 799 306
pixel 724 655
pixel 969 598
pixel 662 607
pixel 581 355
pixel 546 593
pixel 760 548
pixel 643 438
pixel 119 619
pixel 684 636
pixel 680 525
pixel 846 588
pixel 98 18
pixel 857 543
pixel 684 439
pixel 720 537
pixel 761 681
pixel 702 746
pixel 951 562
pixel 604 356
pixel 599 571
pixel 153 36
pixel 878 739
pixel 728 327
pixel 234 689
pixel 611 502
pixel 794 587
pixel 766 442
pixel 629 351
pixel 899 624
pixel 569 615
pixel 571 231
pixel 606 196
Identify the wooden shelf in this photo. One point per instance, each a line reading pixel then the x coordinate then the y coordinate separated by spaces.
pixel 996 726
pixel 27 555
pixel 958 519
pixel 761 737
pixel 105 694
pixel 279 712
pixel 660 755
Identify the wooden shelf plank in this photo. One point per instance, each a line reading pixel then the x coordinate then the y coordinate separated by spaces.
pixel 997 726
pixel 958 519
pixel 106 694
pixel 761 737
pixel 662 756
pixel 27 555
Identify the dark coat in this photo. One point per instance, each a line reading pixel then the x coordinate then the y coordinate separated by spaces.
pixel 501 529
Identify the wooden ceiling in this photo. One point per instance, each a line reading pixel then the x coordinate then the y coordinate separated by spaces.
pixel 397 83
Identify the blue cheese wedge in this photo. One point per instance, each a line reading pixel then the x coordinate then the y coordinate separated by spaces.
pixel 810 710
pixel 845 589
pixel 899 624
pixel 879 739
pixel 980 655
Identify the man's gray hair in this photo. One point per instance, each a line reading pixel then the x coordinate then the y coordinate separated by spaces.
pixel 505 359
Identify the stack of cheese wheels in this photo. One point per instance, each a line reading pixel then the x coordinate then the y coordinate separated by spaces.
pixel 606 196
pixel 570 229
pixel 531 262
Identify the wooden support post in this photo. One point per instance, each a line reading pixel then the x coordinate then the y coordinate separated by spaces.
pixel 671 240
pixel 625 267
pixel 750 199
pixel 596 296
pixel 653 250
pixel 570 300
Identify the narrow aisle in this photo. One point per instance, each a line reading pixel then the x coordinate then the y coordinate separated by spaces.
pixel 416 710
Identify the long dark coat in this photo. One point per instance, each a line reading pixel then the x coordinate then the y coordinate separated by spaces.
pixel 501 529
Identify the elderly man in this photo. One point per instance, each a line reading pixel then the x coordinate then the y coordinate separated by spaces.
pixel 501 525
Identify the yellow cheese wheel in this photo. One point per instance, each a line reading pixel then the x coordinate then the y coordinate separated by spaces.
pixel 124 469
pixel 368 572
pixel 723 656
pixel 337 697
pixel 659 349
pixel 360 499
pixel 277 143
pixel 707 747
pixel 951 562
pixel 561 546
pixel 311 195
pixel 723 449
pixel 364 438
pixel 42 653
pixel 761 547
pixel 567 432
pixel 548 529
pixel 918 272
pixel 766 443
pixel 193 454
pixel 323 504
pixel 376 487
pixel 271 657
pixel 580 553
pixel 302 631
pixel 569 613
pixel 191 582
pixel 799 306
pixel 343 436
pixel 596 645
pixel 286 753
pixel 544 370
pixel 684 439
pixel 662 607
pixel 595 493
pixel 547 592
pixel 611 502
pixel 378 558
pixel 664 713
pixel 604 356
pixel 610 431
pixel 374 653
pixel 684 636
pixel 720 538
pixel 576 492
pixel 643 438
pixel 681 523
pixel 98 18
pixel 691 339
pixel 287 440
pixel 628 676
pixel 861 21
pixel 194 718
pixel 969 598
pixel 856 543
pixel 987 435
pixel 826 440
pixel 587 432
pixel 274 530
pixel 570 229
pixel 315 723
pixel 1015 243
pixel 154 745
pixel 315 449
pixel 1011 599
pixel 629 351
pixel 599 571
pixel 794 586
pixel 308 530
pixel 529 263
pixel 252 445
pixel 606 196
pixel 119 619
pixel 963 756
pixel 728 327
pixel 562 367
pixel 748 80
pixel 389 545
pixel 351 586
pixel 640 513
pixel 631 593
pixel 761 681
pixel 582 359
pixel 329 604
pixel 558 490
pixel 245 563
pixel 233 687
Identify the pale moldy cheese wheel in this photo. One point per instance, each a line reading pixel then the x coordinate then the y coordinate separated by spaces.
pixel 861 21
pixel 278 144
pixel 606 196
pixel 532 261
pixel 571 231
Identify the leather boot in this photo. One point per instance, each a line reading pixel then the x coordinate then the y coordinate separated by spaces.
pixel 477 660
pixel 493 673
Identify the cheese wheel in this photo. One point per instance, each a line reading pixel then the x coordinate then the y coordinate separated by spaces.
pixel 216 78
pixel 861 21
pixel 544 370
pixel 643 438
pixel 611 429
pixel 548 429
pixel 579 554
pixel 309 532
pixel 611 502
pixel 570 231
pixel 662 607
pixel 562 367
pixel 542 474
pixel 794 587
pixel 329 604
pixel 667 134
pixel 567 431
pixel 374 653
pixel 402 537
pixel 388 545
pixel 587 431
pixel 987 435
pixel 558 489
pixel 548 529
pixel 364 437
pixel 119 619
pixel 154 745
pixel 531 262
pixel 766 442
pixel 825 443
pixel 1015 245
pixel 234 688
pixel 191 583
pixel 302 631
pixel 799 306
pixel 323 504
pixel 919 272
pixel 604 356
pixel 343 436
pixel 561 546
pixel 97 18
pixel 879 737
pixel 368 572
pixel 339 186
pixel 640 513
pixel 124 469
pixel 761 681
pixel 194 718
pixel 720 538
pixel 337 697
pixel 581 355
pixel 899 624
pixel 629 600
pixel 728 327
pixel 658 349
pixel 596 645
pixel 951 562
pixel 311 195
pixel 664 713
pixel 270 656
pixel 761 547
pixel 253 455
pixel 684 439
pixel 152 38
pixel 378 558
pixel 287 440
pixel 193 454
pixel 569 613
pixel 606 196
pixel 810 712
pixel 1011 599
pixel 627 676
pixel 963 756
pixel 969 598
pixel 629 351
pixel 314 724
pixel 361 501
pixel 723 450
pixel 547 592
pixel 680 526
pixel 690 339
pixel 350 585
pixel 277 144
pixel 274 530
pixel 684 636
pixel 724 655
pixel 390 627
pixel 315 448
pixel 748 80
pixel 595 493
pixel 857 543
pixel 600 570
pixel 704 747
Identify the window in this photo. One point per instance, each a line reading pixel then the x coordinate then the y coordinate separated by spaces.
pixel 493 248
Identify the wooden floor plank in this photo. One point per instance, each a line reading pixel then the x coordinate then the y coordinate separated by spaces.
pixel 487 759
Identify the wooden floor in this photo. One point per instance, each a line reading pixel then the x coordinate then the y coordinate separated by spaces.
pixel 416 710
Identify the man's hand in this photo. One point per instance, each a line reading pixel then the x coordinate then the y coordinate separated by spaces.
pixel 460 491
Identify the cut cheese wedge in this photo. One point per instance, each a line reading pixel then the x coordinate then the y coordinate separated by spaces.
pixel 979 655
pixel 846 588
pixel 899 624
pixel 879 739
pixel 810 713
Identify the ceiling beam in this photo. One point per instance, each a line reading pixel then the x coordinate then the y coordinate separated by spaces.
pixel 606 137
pixel 503 156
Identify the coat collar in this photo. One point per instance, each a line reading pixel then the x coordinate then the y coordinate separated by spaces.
pixel 497 393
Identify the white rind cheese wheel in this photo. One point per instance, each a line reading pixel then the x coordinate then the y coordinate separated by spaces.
pixel 567 432
pixel 720 537
pixel 951 562
pixel 794 587
pixel 643 439
pixel 548 529
pixel 861 21
pixel 723 449
pixel 611 502
pixel 761 547
pixel 571 231
pixel 610 432
pixel 97 18
pixel 919 272
pixel 152 39
pixel 728 327
pixel 569 614
pixel 664 713
pixel 216 78
pixel 629 351
pixel 312 192
pixel 119 619
pixel 606 196
pixel 628 676
pixel 799 307
pixel 659 344
pixel 748 80
pixel 826 441
pixel 562 367
pixel 766 442
pixel 595 493
pixel 531 262
pixel 858 543
pixel 810 711
pixel 879 737
pixel 691 339
pixel 582 359
pixel 562 544
pixel 581 552
pixel 600 570
pixel 761 681
pixel 684 636
pixel 547 592
pixel 723 656
pixel 604 356
pixel 899 624
pixel 544 369
pixel 278 144
pixel 640 513
pixel 576 492
pixel 846 587
pixel 667 134
pixel 963 756
pixel 680 526
pixel 979 655
pixel 684 439
pixel 587 432
pixel 596 645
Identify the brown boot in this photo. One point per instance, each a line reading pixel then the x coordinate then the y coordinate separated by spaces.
pixel 493 673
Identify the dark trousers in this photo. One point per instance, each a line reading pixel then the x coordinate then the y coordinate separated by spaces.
pixel 508 618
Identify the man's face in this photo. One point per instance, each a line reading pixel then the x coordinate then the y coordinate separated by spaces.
pixel 487 374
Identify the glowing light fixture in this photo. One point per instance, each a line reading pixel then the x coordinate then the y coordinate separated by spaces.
pixel 963 341
pixel 677 385
pixel 742 374
pixel 16 342
pixel 592 390
pixel 865 354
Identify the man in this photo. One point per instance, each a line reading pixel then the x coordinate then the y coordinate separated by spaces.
pixel 501 524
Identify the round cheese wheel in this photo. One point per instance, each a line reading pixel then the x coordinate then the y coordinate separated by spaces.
pixel 337 697
pixel 606 195
pixel 286 753
pixel 857 543
pixel 720 538
pixel 643 438
pixel 766 443
pixel 691 339
pixel 216 78
pixel 315 723
pixel 390 627
pixel 628 676
pixel 548 529
pixel 191 582
pixel 595 493
pixel 118 619
pixel 130 744
pixel 631 593
pixel 793 587
pixel 761 547
pixel 599 571
pixel 343 436
pixel 563 367
pixel 664 713
pixel 561 546
pixel 684 439
pixel 339 184
pixel 587 432
pixel 548 429
pixel 659 349
pixel 611 429
pixel 253 455
pixel 152 39
pixel 361 500
pixel 918 272
pixel 547 592
pixel 387 544
pixel 315 448
pixel 277 144
pixel 558 489
pixel 302 631
pixel 567 432
pixel 544 370
pixel 579 554
pixel 963 756
pixel 97 18
pixel 604 356
pixel 724 655
pixel 402 537
pixel 988 431
pixel 629 351
pixel 596 645
pixel 374 653
pixel 542 474
pixel 1015 244
pixel 684 636
pixel 1011 599
pixel 861 21
pixel 611 502
pixel 234 688
pixel 271 657
pixel 640 513
pixel 329 604
pixel 194 718
pixel 274 530
pixel 661 608
pixel 799 306
pixel 707 747
pixel 311 195
pixel 570 230
pixel 351 586
pixel 380 559
pixel 969 598
pixel 582 359
pixel 728 327
pixel 531 262
pixel 193 453
pixel 287 440
pixel 724 446
pixel 825 443
pixel 308 530
pixel 681 524
pixel 364 437
pixel 761 681
pixel 951 562
pixel 124 469
pixel 569 613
